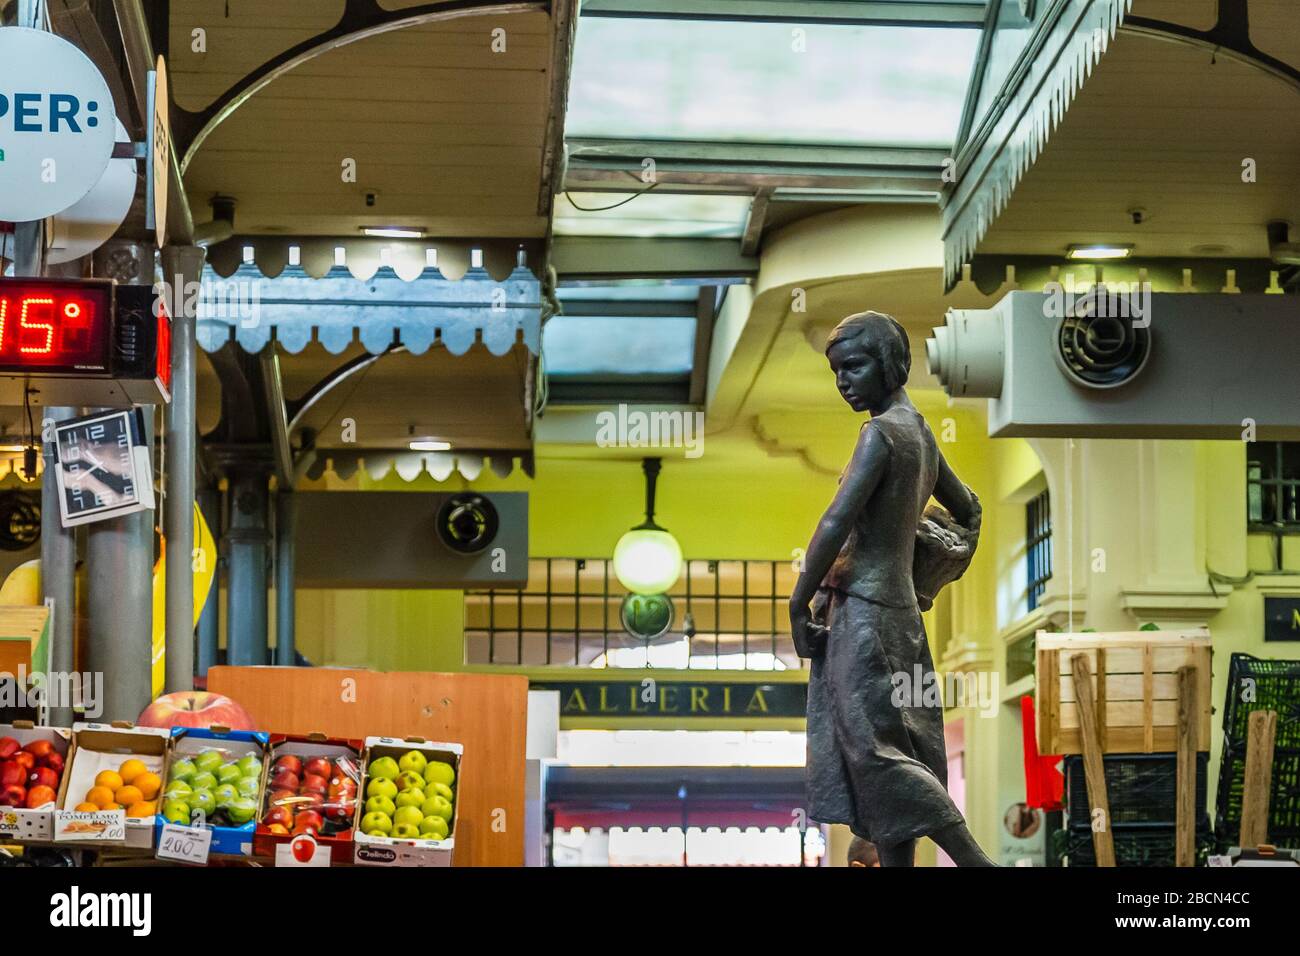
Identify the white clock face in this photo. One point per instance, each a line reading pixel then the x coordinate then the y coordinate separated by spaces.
pixel 97 466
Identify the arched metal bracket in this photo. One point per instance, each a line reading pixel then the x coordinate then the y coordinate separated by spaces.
pixel 1230 36
pixel 360 19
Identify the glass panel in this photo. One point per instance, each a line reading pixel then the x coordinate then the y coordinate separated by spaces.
pixel 577 345
pixel 1010 36
pixel 766 83
pixel 680 215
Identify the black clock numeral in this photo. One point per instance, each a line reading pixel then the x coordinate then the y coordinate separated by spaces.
pixel 96 431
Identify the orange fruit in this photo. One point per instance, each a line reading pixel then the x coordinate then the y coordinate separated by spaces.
pixel 86 807
pixel 99 796
pixel 148 784
pixel 128 796
pixel 144 808
pixel 109 778
pixel 112 806
pixel 131 769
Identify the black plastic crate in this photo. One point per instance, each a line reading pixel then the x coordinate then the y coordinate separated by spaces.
pixel 1140 788
pixel 1274 685
pixel 1283 804
pixel 1136 845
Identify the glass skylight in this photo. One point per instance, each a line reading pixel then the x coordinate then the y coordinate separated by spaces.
pixel 650 215
pixel 759 82
pixel 618 346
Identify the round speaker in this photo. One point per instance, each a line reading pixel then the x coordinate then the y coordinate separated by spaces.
pixel 1102 351
pixel 467 523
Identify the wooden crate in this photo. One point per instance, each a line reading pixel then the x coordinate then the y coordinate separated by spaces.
pixel 1135 681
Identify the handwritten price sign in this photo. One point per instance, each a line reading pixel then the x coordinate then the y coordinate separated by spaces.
pixel 184 844
pixel 102 826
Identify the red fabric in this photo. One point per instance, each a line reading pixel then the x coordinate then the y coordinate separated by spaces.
pixel 1044 784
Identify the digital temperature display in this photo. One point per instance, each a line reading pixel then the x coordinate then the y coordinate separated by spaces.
pixel 51 325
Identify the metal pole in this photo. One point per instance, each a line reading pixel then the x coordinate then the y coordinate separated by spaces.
pixel 119 556
pixel 210 619
pixel 58 573
pixel 247 540
pixel 286 509
pixel 182 270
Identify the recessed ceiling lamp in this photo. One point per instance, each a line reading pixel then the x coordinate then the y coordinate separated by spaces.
pixel 647 559
pixel 1099 251
pixel 394 232
pixel 429 444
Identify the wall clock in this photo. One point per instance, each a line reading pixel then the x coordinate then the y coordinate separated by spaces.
pixel 103 467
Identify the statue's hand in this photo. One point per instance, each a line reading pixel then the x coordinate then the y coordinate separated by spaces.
pixel 809 637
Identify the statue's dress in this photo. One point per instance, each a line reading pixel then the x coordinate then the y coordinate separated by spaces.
pixel 876 766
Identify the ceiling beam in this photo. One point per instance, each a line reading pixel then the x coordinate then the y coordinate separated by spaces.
pixel 754 222
pixel 706 309
pixel 604 257
pixel 936 13
pixel 564 19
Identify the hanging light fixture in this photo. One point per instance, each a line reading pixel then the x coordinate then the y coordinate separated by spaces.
pixel 647 559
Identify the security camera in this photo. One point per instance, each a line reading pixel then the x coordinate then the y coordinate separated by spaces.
pixel 467 523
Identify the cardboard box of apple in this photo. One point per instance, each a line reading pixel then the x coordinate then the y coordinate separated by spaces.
pixel 409 816
pixel 32 764
pixel 311 786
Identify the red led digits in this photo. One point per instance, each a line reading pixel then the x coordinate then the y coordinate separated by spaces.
pixel 44 344
pixel 52 326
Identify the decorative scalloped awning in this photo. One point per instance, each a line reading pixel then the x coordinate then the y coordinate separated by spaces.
pixel 380 310
pixel 439 466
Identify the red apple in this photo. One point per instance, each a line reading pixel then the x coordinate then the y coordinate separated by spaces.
pixel 288 762
pixel 8 747
pixel 43 777
pixel 339 792
pixel 304 849
pixel 314 784
pixel 284 779
pixel 283 796
pixel 55 762
pixel 342 810
pixel 12 773
pixel 280 815
pixel 279 829
pixel 38 796
pixel 308 821
pixel 40 748
pixel 14 795
pixel 319 766
pixel 195 708
pixel 24 759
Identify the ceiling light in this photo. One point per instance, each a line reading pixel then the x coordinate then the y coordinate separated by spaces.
pixel 1099 251
pixel 430 444
pixel 394 232
pixel 647 559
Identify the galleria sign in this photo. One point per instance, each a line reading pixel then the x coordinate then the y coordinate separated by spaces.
pixel 698 699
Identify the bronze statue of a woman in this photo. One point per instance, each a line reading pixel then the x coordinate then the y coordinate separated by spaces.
pixel 877 761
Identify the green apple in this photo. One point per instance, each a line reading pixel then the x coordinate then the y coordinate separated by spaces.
pixel 382 805
pixel 441 789
pixel 248 786
pixel 409 815
pixel 241 810
pixel 439 772
pixel 228 773
pixel 225 793
pixel 182 770
pixel 406 831
pixel 384 767
pixel 203 800
pixel 414 761
pixel 177 811
pixel 410 798
pixel 434 828
pixel 249 766
pixel 178 788
pixel 381 787
pixel 409 781
pixel 203 780
pixel 377 824
pixel 208 761
pixel 437 806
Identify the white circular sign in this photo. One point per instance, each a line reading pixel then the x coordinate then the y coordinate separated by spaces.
pixel 56 124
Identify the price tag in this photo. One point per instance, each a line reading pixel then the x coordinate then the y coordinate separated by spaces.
pixel 184 844
pixel 76 826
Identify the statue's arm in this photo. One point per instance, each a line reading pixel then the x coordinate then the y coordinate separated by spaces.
pixel 950 492
pixel 870 458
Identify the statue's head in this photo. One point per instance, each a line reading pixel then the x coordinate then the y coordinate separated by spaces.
pixel 871 357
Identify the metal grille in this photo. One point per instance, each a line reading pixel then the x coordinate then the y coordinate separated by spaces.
pixel 1273 486
pixel 1038 545
pixel 728 615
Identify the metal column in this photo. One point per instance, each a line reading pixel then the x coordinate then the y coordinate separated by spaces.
pixel 286 508
pixel 210 619
pixel 119 556
pixel 247 540
pixel 182 270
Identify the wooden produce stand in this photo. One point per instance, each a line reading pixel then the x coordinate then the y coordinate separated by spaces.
pixel 486 713
pixel 1124 693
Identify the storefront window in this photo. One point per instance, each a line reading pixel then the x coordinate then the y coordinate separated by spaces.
pixel 1273 486
pixel 1038 546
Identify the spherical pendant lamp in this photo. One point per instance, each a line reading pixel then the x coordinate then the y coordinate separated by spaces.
pixel 647 559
